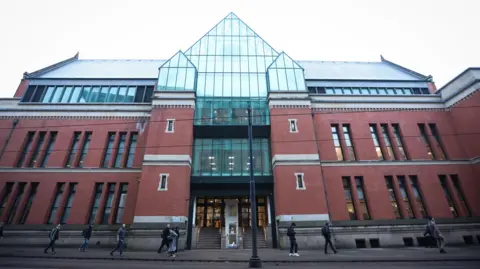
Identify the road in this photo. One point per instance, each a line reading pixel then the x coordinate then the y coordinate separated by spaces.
pixel 117 264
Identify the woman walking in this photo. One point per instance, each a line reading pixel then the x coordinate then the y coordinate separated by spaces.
pixel 172 248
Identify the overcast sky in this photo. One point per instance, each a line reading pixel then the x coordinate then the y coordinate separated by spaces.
pixel 431 37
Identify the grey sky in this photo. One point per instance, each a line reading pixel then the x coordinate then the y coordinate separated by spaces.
pixel 431 37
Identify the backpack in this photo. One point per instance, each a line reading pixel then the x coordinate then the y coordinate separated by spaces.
pixel 290 232
pixel 324 231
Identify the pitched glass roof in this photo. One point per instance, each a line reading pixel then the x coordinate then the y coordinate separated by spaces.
pixel 284 74
pixel 178 73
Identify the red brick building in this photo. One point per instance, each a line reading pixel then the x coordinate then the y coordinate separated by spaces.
pixel 373 147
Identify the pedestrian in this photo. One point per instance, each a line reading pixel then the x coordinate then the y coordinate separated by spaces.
pixel 54 235
pixel 293 240
pixel 172 240
pixel 327 234
pixel 1 229
pixel 86 233
pixel 429 240
pixel 120 240
pixel 165 234
pixel 177 231
pixel 433 230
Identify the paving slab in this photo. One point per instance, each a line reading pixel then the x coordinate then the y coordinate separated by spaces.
pixel 266 255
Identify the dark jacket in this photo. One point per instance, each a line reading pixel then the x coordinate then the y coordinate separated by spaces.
pixel 121 234
pixel 326 231
pixel 1 230
pixel 54 234
pixel 87 233
pixel 165 233
pixel 291 233
pixel 177 231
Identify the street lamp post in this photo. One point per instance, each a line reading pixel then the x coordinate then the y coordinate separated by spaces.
pixel 255 261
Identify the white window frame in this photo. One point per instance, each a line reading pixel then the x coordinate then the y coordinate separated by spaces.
pixel 303 181
pixel 160 182
pixel 173 126
pixel 290 125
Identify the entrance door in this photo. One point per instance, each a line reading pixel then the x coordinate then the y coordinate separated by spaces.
pixel 213 218
pixel 245 216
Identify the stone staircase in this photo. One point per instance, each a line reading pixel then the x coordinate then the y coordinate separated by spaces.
pixel 209 238
pixel 247 238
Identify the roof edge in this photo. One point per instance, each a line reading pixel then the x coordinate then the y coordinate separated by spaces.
pixel 456 77
pixel 406 70
pixel 52 67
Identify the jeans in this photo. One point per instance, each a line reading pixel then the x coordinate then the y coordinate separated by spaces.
pixel 119 247
pixel 164 243
pixel 84 245
pixel 51 245
pixel 440 243
pixel 329 242
pixel 293 246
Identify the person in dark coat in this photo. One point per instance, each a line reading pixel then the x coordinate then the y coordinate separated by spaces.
pixel 327 234
pixel 1 229
pixel 293 240
pixel 87 233
pixel 177 231
pixel 165 237
pixel 120 240
pixel 432 230
pixel 53 236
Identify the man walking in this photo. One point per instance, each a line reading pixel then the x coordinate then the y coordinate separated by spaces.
pixel 120 240
pixel 53 236
pixel 433 230
pixel 165 235
pixel 327 234
pixel 293 240
pixel 86 233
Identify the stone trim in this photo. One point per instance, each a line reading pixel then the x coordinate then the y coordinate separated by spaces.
pixel 159 219
pixel 167 160
pixel 466 94
pixel 192 105
pixel 303 217
pixel 69 170
pixel 358 109
pixel 295 159
pixel 394 163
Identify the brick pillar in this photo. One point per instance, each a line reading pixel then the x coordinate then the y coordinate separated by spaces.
pixel 22 203
pixel 412 199
pixel 29 155
pixel 43 150
pixel 343 144
pixel 456 200
pixel 101 205
pixel 393 142
pixel 10 201
pixel 356 201
pixel 114 150
pixel 116 197
pixel 398 195
pixel 125 151
pixel 81 142
pixel 63 201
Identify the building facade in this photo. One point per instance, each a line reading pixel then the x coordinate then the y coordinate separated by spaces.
pixel 371 146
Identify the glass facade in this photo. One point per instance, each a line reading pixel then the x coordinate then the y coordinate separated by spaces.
pixel 231 111
pixel 367 91
pixel 286 75
pixel 230 157
pixel 177 74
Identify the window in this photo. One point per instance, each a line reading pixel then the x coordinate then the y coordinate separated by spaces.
pixel 18 198
pixel 382 90
pixel 131 150
pixel 293 126
pixel 31 196
pixel 73 149
pixel 121 202
pixel 418 196
pixel 423 134
pixel 68 205
pixel 162 186
pixel 86 145
pixel 393 197
pixel 56 203
pixel 388 145
pixel 362 198
pixel 403 192
pixel 108 151
pixel 86 94
pixel 120 150
pixel 6 194
pixel 348 142
pixel 96 202
pixel 38 146
pixel 300 182
pixel 399 140
pixel 108 204
pixel 347 190
pixel 48 152
pixel 378 149
pixel 443 182
pixel 170 126
pixel 461 194
pixel 336 142
pixel 26 148
pixel 442 155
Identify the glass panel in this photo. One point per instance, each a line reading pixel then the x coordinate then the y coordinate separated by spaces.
pixel 66 94
pixel 130 95
pixel 122 92
pixel 182 74
pixel 112 96
pixel 94 94
pixel 57 94
pixel 190 80
pixel 172 79
pixel 236 85
pixel 273 79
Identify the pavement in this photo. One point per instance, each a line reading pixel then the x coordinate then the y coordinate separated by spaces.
pixel 459 254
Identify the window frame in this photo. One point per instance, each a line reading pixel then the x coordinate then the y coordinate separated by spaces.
pixel 167 127
pixel 301 177
pixel 295 125
pixel 165 188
